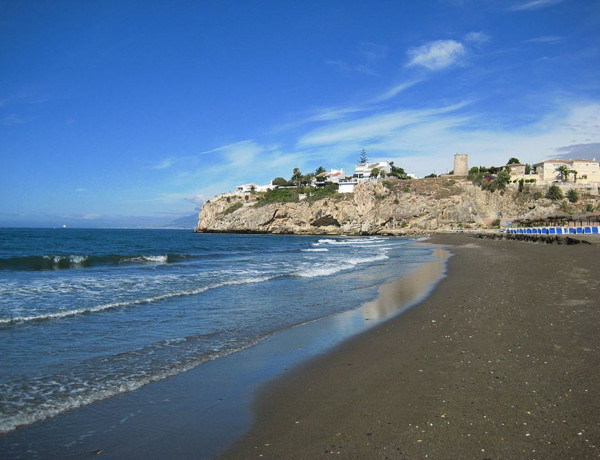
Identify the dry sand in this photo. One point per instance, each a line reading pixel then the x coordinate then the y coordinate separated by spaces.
pixel 501 361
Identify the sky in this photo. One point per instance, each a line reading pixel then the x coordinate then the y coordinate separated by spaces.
pixel 132 114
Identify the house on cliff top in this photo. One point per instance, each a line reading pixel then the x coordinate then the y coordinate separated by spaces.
pixel 579 171
pixel 249 188
pixel 363 171
pixel 334 176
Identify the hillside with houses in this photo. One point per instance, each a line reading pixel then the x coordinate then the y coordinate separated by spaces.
pixel 381 198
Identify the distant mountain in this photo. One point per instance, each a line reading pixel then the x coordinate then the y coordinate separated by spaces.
pixel 184 222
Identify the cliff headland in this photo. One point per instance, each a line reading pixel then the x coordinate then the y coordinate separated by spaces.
pixel 387 207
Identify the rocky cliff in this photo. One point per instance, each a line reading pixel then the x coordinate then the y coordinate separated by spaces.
pixel 389 207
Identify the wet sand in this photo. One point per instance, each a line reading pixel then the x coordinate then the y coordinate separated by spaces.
pixel 501 361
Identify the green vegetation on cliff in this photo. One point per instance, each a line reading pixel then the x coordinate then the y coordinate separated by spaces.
pixel 292 194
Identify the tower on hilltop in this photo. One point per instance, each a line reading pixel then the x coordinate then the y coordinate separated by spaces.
pixel 461 164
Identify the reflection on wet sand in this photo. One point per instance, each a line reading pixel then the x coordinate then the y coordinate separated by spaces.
pixel 402 294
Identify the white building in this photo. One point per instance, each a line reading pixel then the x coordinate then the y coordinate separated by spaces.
pixel 249 188
pixel 347 186
pixel 333 176
pixel 363 171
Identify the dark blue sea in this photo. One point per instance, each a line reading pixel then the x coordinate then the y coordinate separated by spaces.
pixel 89 314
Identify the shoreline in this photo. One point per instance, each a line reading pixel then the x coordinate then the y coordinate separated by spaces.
pixel 500 361
pixel 201 412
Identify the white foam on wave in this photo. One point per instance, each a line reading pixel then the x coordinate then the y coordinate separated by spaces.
pixel 314 272
pixel 144 260
pixel 315 250
pixel 344 264
pixel 351 241
pixel 128 303
pixel 72 259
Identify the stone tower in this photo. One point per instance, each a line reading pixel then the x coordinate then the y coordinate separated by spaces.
pixel 461 164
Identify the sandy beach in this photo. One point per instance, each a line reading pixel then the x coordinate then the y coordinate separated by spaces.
pixel 500 361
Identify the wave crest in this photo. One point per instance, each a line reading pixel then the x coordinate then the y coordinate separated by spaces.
pixel 65 262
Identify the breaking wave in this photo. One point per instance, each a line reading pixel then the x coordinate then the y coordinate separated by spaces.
pixel 64 262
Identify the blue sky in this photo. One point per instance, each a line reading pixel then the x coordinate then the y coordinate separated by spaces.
pixel 133 113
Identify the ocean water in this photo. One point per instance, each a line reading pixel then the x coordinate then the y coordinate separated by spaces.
pixel 89 314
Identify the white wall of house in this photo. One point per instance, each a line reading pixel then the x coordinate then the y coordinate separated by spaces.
pixel 346 187
pixel 247 188
pixel 362 171
pixel 588 171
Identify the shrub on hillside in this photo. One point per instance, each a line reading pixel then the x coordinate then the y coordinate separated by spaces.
pixel 232 208
pixel 554 193
pixel 278 195
pixel 318 193
pixel 573 196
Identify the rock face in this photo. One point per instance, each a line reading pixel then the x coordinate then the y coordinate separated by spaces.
pixel 388 207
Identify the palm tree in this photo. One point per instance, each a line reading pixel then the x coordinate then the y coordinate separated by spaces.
pixel 563 172
pixel 297 176
pixel 572 171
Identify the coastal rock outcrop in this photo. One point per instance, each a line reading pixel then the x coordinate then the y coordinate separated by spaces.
pixel 391 207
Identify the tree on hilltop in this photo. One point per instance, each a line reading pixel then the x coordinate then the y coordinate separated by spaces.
pixel 502 179
pixel 363 157
pixel 513 161
pixel 280 181
pixel 296 177
pixel 398 172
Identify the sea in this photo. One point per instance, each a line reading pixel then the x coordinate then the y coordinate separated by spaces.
pixel 89 314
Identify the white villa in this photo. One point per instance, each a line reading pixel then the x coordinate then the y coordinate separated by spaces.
pixel 249 188
pixel 363 171
pixel 333 176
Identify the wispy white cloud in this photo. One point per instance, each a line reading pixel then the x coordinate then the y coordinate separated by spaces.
pixel 238 154
pixel 164 164
pixel 327 114
pixel 240 163
pixel 333 113
pixel 533 5
pixel 395 90
pixel 477 37
pixel 372 127
pixel 437 54
pixel 546 39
